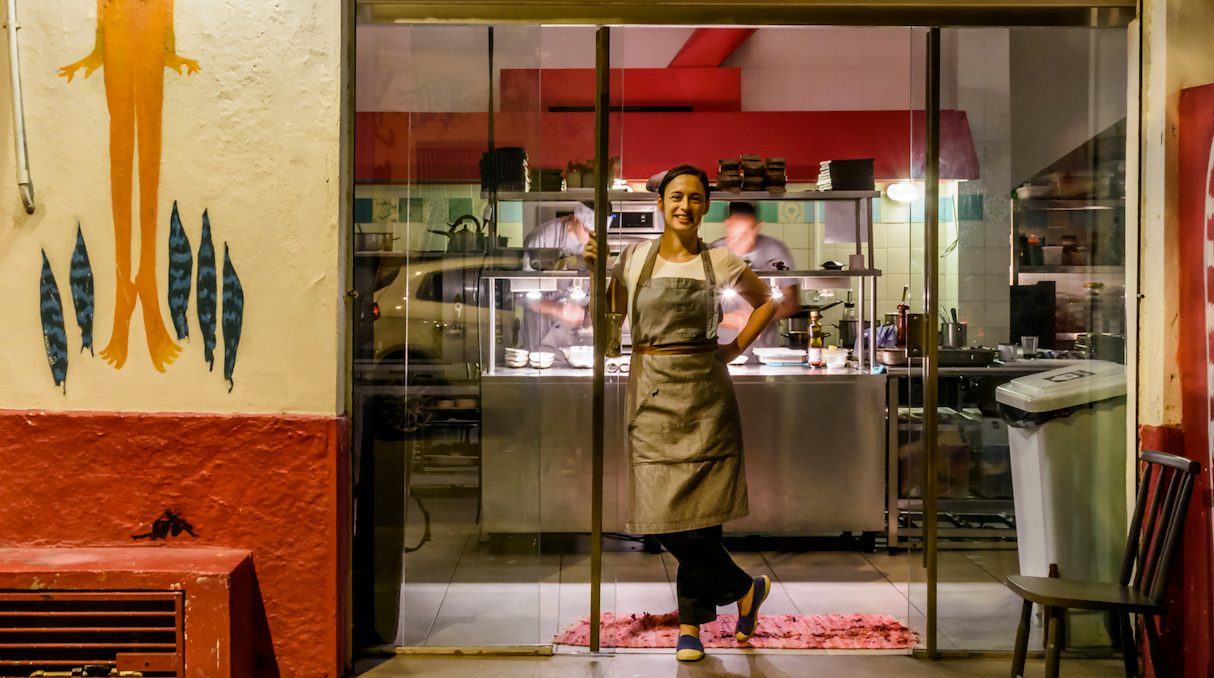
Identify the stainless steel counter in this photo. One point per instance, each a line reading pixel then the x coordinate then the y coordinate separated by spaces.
pixel 815 451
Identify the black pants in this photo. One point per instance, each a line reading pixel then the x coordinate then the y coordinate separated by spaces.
pixel 708 577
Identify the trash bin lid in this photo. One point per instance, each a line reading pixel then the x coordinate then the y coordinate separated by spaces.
pixel 1079 384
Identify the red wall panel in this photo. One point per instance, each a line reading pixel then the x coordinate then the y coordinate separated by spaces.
pixel 390 144
pixel 275 485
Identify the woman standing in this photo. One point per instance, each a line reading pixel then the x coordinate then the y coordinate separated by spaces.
pixel 686 473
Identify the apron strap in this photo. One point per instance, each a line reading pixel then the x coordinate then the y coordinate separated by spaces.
pixel 646 272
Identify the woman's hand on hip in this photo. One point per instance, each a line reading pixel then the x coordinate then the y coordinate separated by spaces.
pixel 728 352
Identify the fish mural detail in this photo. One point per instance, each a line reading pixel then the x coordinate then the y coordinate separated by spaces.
pixel 206 291
pixel 233 316
pixel 80 279
pixel 181 268
pixel 54 336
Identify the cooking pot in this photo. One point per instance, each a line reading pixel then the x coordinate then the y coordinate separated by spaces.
pixel 373 242
pixel 800 340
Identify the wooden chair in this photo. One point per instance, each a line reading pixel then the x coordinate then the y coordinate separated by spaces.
pixel 1141 589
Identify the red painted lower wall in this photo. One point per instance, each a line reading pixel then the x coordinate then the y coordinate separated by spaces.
pixel 1192 617
pixel 275 485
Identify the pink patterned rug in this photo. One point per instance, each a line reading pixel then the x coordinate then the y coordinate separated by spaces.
pixel 784 631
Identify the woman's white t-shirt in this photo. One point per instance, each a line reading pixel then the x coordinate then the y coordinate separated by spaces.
pixel 727 268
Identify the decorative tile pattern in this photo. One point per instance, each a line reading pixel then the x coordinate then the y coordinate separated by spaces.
pixel 791 212
pixel 411 210
pixel 969 207
pixel 716 211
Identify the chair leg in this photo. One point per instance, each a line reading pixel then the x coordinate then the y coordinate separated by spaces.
pixel 1022 639
pixel 1158 662
pixel 1129 648
pixel 1053 650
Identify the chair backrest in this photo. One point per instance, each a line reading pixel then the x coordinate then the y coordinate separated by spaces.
pixel 1152 546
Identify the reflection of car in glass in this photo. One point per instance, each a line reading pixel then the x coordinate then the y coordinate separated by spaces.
pixel 428 312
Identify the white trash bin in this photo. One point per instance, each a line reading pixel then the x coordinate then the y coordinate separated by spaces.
pixel 1067 434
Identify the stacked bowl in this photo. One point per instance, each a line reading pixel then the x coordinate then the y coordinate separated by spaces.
pixel 542 359
pixel 516 358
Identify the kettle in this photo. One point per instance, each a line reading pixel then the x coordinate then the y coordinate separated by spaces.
pixel 464 239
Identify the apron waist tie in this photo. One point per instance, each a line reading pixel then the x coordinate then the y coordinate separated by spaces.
pixel 706 347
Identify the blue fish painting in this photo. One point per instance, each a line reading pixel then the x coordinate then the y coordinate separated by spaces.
pixel 54 336
pixel 80 279
pixel 181 267
pixel 206 291
pixel 233 316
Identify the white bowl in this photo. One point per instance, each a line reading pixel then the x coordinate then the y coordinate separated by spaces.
pixel 541 355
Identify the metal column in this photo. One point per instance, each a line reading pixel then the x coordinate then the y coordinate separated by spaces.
pixel 931 265
pixel 602 211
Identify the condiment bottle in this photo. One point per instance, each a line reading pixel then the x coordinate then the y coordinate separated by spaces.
pixel 815 340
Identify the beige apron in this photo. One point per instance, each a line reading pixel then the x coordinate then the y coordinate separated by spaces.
pixel 684 429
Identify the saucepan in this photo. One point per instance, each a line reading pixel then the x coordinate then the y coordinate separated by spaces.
pixel 800 340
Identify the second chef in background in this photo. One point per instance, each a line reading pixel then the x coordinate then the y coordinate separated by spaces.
pixel 744 239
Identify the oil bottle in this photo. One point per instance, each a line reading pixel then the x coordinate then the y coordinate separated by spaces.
pixel 815 340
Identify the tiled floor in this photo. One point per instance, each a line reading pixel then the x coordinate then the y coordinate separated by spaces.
pixel 740 664
pixel 458 592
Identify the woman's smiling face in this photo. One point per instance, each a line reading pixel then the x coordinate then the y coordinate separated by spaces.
pixel 684 203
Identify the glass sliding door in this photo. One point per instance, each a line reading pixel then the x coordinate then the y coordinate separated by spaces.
pixel 455 385
pixel 1032 452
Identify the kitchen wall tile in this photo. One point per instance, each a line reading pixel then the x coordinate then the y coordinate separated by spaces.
pixel 996 288
pixel 973 235
pixel 916 234
pixel 881 259
pixel 998 313
pixel 899 235
pixel 511 212
pixel 711 231
pixel 880 235
pixel 790 211
pixel 948 264
pixel 948 212
pixel 768 210
pixel 971 262
pixel 899 263
pixel 894 212
pixel 716 211
pixel 916 210
pixel 413 210
pixel 363 210
pixel 969 207
pixel 801 258
pixel 776 231
pixel 457 207
pixel 810 210
pixel 514 232
pixel 998 261
pixel 972 313
pixel 997 334
pixel 876 207
pixel 971 287
pixel 998 233
pixel 797 235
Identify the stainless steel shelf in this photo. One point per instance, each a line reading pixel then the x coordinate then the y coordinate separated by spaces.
pixel 1048 204
pixel 585 275
pixel 583 194
pixel 1113 270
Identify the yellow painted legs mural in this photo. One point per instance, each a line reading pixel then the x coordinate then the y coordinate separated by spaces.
pixel 135 43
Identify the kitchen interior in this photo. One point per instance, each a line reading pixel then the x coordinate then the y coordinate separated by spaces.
pixel 472 442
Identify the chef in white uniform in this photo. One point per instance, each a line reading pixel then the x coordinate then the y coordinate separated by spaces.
pixel 552 321
pixel 762 253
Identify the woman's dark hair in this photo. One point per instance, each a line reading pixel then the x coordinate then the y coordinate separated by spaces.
pixel 679 171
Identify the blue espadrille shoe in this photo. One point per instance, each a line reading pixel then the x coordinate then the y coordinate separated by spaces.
pixel 689 649
pixel 748 621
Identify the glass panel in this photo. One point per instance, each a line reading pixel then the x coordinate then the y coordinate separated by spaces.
pixel 1032 462
pixel 815 440
pixel 449 460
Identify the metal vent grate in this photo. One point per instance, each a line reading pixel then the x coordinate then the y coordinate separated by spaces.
pixel 57 631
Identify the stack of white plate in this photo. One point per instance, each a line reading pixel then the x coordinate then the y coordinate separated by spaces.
pixel 542 359
pixel 516 358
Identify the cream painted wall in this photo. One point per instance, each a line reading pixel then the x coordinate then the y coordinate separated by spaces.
pixel 1176 55
pixel 255 138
